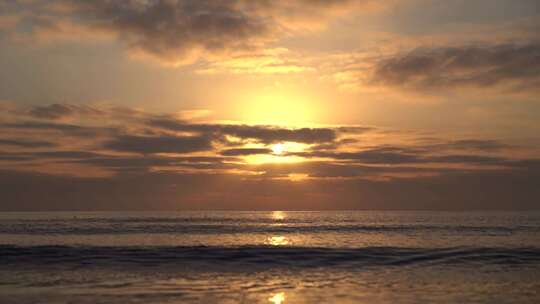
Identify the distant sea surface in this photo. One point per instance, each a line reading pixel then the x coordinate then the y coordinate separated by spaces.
pixel 270 257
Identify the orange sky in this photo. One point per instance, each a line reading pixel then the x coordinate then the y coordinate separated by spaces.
pixel 269 104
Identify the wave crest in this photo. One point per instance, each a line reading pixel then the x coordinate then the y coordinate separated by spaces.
pixel 265 256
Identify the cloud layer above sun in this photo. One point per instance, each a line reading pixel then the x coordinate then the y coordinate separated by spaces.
pixel 399 50
pixel 173 32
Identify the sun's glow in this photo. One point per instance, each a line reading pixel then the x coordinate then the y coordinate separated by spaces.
pixel 278 149
pixel 281 107
pixel 280 153
pixel 278 298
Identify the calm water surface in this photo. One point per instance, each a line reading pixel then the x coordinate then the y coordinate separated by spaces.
pixel 270 257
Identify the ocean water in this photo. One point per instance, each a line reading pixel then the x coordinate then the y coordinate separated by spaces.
pixel 270 257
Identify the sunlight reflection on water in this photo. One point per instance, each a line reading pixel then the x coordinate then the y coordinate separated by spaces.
pixel 278 241
pixel 279 215
pixel 150 257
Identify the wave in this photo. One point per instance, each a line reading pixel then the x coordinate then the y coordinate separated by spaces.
pixel 240 218
pixel 59 228
pixel 263 256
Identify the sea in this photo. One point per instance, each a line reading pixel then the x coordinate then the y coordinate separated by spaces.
pixel 274 257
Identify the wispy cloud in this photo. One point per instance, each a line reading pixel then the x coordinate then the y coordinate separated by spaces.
pixel 143 156
pixel 184 31
pixel 468 66
pixel 149 142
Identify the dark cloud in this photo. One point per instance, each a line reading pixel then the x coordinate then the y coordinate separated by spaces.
pixel 16 157
pixel 126 164
pixel 476 144
pixel 26 143
pixel 44 126
pixel 467 159
pixel 384 155
pixel 123 164
pixel 369 157
pixel 66 154
pixel 65 128
pixel 467 66
pixel 179 31
pixel 197 165
pixel 333 145
pixel 159 144
pixel 48 155
pixel 354 129
pixel 396 155
pixel 172 30
pixel 245 151
pixel 273 134
pixel 59 111
pixel 264 134
pixel 471 144
pixel 53 111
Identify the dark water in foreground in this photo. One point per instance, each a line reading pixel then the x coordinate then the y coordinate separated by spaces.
pixel 270 257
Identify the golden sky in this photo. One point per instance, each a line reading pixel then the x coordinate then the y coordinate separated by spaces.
pixel 308 104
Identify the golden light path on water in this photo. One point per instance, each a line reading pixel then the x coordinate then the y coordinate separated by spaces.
pixel 278 216
pixel 278 240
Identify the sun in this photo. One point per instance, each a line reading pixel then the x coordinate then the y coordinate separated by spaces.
pixel 278 107
pixel 278 149
pixel 283 152
pixel 278 298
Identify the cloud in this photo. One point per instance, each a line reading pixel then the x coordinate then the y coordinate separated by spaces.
pixel 245 151
pixel 174 31
pixel 65 128
pixel 53 156
pixel 396 156
pixel 178 32
pixel 60 111
pixel 43 126
pixel 374 156
pixel 66 154
pixel 476 144
pixel 141 142
pixel 268 61
pixel 26 143
pixel 53 111
pixel 159 144
pixel 264 134
pixel 144 155
pixel 472 144
pixel 149 163
pixel 276 134
pixel 485 66
pixel 12 157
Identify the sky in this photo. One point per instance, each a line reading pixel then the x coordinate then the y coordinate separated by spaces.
pixel 269 105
